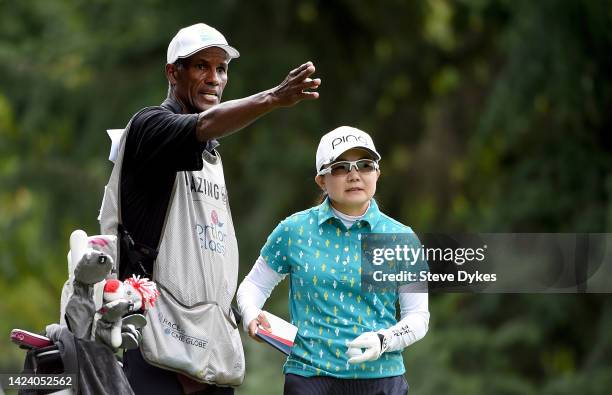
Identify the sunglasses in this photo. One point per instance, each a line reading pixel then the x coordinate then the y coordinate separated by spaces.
pixel 344 167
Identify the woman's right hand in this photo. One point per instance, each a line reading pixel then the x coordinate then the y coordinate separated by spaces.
pixel 259 320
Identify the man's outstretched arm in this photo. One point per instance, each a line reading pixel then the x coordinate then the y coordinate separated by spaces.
pixel 231 116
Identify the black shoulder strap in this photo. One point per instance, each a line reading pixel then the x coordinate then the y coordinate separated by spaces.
pixel 140 257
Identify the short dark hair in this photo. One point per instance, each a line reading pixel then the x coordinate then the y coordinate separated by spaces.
pixel 181 62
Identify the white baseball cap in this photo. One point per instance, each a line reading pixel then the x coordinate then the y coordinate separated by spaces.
pixel 194 38
pixel 340 140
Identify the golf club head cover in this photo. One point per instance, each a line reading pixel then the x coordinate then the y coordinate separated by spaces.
pixel 92 266
pixel 130 337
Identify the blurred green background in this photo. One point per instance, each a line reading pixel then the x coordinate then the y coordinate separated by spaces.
pixel 491 116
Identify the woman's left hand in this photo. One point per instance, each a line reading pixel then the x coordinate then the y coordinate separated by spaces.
pixel 255 323
pixel 374 344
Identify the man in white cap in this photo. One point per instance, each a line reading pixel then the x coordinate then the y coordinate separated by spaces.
pixel 170 209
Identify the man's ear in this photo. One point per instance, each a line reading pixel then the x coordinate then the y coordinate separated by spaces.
pixel 171 73
pixel 320 180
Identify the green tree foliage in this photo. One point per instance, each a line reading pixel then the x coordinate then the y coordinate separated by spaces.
pixel 491 115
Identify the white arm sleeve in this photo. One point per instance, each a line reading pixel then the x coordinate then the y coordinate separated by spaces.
pixel 255 289
pixel 414 322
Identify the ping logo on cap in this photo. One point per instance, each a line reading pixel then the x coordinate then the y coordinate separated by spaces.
pixel 347 138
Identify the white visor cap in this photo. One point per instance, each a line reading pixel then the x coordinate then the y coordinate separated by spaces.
pixel 194 38
pixel 340 140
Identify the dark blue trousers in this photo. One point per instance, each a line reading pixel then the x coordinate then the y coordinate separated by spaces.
pixel 146 379
pixel 320 385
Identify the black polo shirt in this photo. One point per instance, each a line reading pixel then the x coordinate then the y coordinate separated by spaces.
pixel 161 141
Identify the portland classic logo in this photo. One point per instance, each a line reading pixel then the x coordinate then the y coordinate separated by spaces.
pixel 214 217
pixel 212 236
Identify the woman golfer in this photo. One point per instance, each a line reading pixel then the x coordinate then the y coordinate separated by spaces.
pixel 349 340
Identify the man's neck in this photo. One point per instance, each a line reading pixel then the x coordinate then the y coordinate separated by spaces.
pixel 184 108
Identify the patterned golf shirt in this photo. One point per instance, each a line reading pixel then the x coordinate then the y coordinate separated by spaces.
pixel 323 260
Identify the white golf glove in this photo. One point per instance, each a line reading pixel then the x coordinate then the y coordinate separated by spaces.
pixel 373 343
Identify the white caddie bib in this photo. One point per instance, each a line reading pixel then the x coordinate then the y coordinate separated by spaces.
pixel 191 329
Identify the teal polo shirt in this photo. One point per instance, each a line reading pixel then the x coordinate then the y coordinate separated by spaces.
pixel 323 260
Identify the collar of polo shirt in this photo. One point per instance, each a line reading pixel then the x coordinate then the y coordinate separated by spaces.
pixel 371 217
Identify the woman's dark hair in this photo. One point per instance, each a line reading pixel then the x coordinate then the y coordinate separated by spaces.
pixel 322 197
